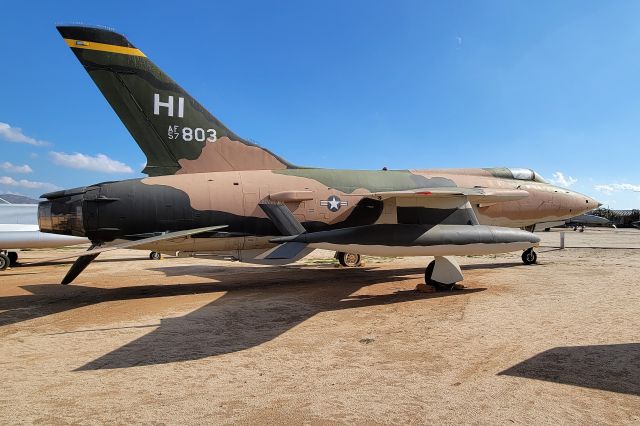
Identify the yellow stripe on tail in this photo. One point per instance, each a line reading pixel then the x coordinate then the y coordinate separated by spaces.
pixel 91 45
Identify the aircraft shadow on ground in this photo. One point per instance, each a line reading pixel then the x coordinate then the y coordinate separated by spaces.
pixel 503 265
pixel 256 307
pixel 614 368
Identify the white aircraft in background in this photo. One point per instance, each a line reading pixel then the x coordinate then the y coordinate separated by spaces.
pixel 19 230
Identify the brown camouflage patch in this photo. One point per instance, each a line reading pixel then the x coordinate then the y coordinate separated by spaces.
pixel 226 155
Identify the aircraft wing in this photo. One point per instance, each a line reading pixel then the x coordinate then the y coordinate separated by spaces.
pixel 475 195
pixel 434 222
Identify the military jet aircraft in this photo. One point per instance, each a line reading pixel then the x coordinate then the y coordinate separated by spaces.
pixel 579 222
pixel 211 193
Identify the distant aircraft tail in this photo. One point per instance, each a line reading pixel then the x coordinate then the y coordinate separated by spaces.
pixel 175 132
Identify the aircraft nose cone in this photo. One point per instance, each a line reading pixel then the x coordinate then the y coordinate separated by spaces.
pixel 583 203
pixel 592 203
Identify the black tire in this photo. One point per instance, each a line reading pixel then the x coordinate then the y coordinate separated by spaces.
pixel 428 273
pixel 349 260
pixel 154 255
pixel 13 258
pixel 4 261
pixel 529 257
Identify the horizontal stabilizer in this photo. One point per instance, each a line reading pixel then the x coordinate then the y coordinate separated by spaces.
pixel 130 244
pixel 78 266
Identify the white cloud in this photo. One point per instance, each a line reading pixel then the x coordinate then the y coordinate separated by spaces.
pixel 23 183
pixel 99 163
pixel 559 179
pixel 616 187
pixel 13 168
pixel 605 189
pixel 14 134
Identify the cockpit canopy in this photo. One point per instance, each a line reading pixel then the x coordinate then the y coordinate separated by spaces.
pixel 517 173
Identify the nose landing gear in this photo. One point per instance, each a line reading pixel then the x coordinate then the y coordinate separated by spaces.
pixel 529 257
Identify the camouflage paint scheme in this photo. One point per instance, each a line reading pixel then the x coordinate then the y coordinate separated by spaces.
pixel 202 174
pixel 129 81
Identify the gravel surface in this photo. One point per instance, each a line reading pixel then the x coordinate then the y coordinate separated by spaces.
pixel 201 341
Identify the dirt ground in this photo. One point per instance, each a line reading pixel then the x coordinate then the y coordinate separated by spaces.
pixel 201 341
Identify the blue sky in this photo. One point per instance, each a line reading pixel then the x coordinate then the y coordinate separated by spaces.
pixel 554 86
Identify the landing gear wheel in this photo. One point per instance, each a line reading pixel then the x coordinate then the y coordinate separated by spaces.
pixel 4 261
pixel 529 257
pixel 428 273
pixel 13 258
pixel 154 255
pixel 349 260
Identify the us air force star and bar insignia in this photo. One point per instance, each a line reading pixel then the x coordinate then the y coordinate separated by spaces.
pixel 333 203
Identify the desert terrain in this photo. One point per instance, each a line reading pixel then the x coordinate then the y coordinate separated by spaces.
pixel 203 341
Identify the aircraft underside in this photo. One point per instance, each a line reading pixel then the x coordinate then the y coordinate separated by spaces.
pixel 251 251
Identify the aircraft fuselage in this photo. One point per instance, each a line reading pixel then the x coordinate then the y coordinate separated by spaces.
pixel 320 199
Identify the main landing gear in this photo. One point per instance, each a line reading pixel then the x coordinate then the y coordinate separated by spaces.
pixel 8 259
pixel 529 257
pixel 4 261
pixel 442 274
pixel 154 255
pixel 348 260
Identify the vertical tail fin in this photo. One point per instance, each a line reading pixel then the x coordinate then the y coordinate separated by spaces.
pixel 175 132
